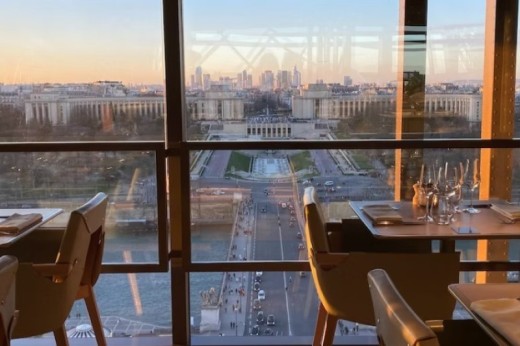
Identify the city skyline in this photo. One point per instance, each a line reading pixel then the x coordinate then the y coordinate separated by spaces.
pixel 67 42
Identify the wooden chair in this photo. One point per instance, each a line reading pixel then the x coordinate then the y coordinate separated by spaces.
pixel 340 278
pixel 397 323
pixel 8 313
pixel 46 291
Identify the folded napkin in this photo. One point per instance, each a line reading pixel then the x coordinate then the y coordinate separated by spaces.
pixel 18 222
pixel 511 211
pixel 382 213
pixel 502 314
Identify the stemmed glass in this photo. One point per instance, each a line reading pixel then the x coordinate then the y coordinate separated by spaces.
pixel 428 190
pixel 447 188
pixel 473 185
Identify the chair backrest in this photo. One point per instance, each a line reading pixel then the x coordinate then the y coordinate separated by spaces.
pixel 8 268
pixel 96 245
pixel 315 232
pixel 342 288
pixel 396 323
pixel 50 301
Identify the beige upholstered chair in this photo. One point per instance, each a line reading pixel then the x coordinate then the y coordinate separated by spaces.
pixel 89 279
pixel 46 291
pixel 8 313
pixel 340 278
pixel 397 324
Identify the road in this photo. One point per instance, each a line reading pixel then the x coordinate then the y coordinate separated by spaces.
pixel 277 236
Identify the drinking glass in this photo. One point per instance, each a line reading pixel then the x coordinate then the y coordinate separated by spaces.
pixel 428 190
pixel 473 185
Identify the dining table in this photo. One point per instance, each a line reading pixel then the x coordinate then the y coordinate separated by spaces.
pixel 486 225
pixel 494 306
pixel 8 238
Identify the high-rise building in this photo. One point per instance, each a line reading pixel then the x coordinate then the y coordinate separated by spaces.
pixel 207 81
pixel 296 78
pixel 244 79
pixel 240 82
pixel 283 79
pixel 267 80
pixel 198 77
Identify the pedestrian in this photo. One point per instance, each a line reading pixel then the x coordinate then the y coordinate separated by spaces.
pixel 290 279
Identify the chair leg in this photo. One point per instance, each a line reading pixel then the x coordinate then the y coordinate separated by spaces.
pixel 60 335
pixel 320 326
pixel 330 329
pixel 6 339
pixel 93 312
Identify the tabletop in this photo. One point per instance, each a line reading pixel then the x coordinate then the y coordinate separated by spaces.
pixel 466 294
pixel 47 215
pixel 487 224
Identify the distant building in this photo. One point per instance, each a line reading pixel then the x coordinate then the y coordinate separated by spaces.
pixel 267 81
pixel 101 100
pixel 198 78
pixel 318 101
pixel 220 102
pixel 296 78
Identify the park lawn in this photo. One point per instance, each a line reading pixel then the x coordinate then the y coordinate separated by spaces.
pixel 238 162
pixel 361 160
pixel 302 160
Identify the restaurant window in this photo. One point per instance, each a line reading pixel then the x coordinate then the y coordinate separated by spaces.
pixel 83 73
pixel 262 109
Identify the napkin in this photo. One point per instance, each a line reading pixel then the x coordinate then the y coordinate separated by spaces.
pixel 381 213
pixel 18 222
pixel 502 314
pixel 511 211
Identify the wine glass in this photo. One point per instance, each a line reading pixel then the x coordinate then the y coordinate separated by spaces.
pixel 428 190
pixel 473 185
pixel 447 188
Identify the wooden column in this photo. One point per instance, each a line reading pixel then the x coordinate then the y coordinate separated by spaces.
pixel 498 117
pixel 409 121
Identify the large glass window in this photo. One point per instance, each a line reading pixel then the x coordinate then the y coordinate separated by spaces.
pixel 88 70
pixel 291 71
pixel 264 98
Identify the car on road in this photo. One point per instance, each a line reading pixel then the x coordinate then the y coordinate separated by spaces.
pixel 260 318
pixel 255 330
pixel 256 287
pixel 256 304
pixel 268 332
pixel 299 235
pixel 328 183
pixel 271 320
pixel 261 295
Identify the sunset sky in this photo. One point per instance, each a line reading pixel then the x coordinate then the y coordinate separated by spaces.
pixel 88 40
